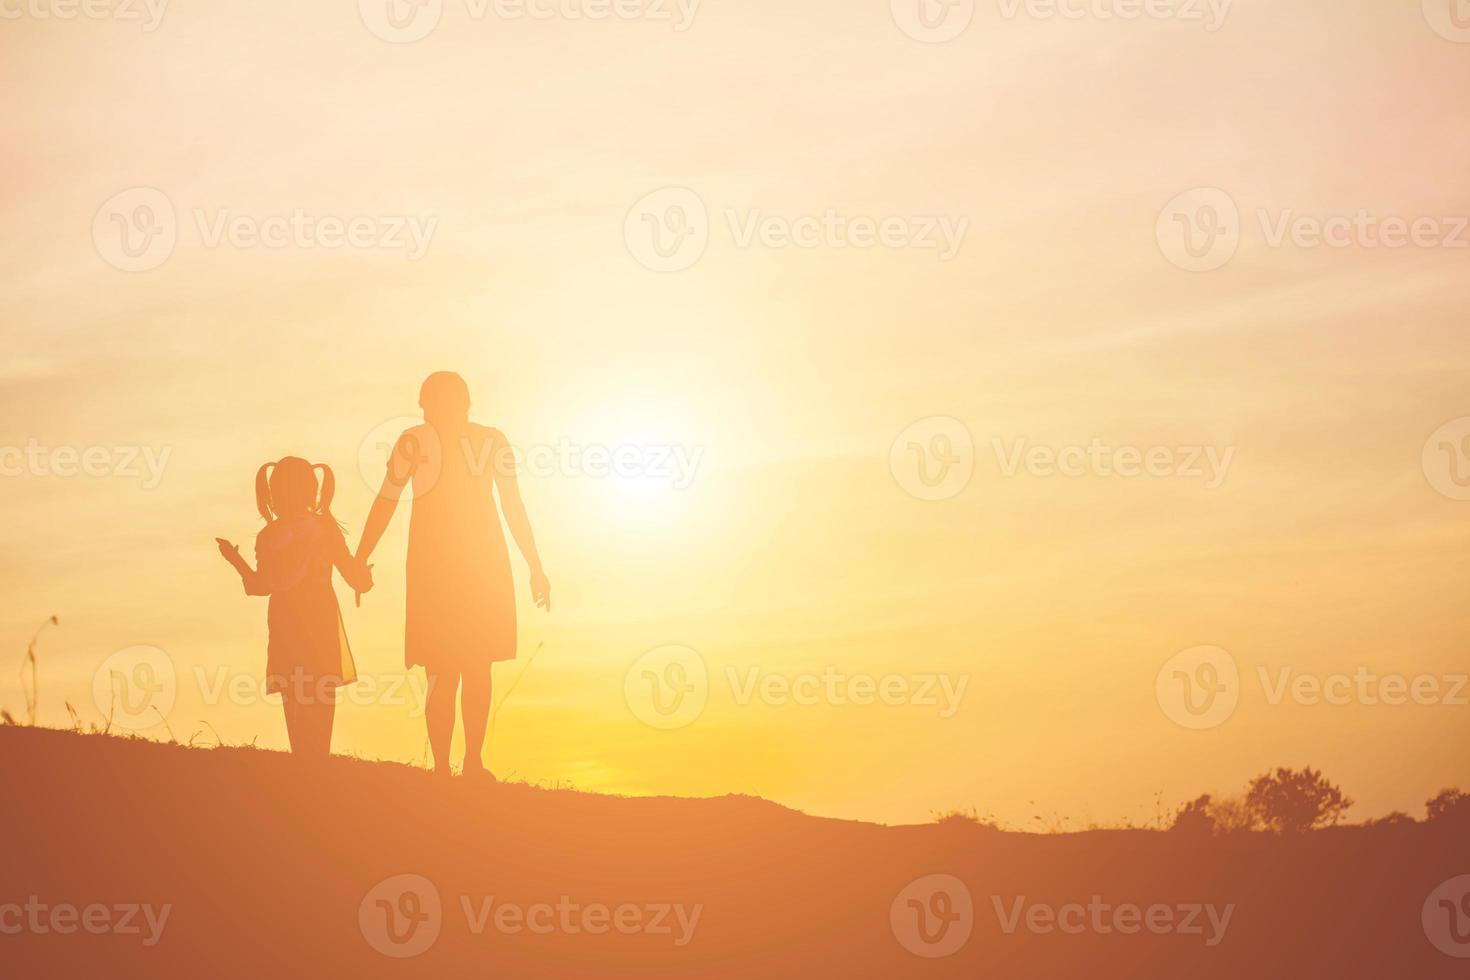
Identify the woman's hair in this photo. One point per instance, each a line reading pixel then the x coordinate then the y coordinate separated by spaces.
pixel 290 486
pixel 445 397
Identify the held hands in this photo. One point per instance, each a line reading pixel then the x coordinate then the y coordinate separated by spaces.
pixel 541 589
pixel 362 581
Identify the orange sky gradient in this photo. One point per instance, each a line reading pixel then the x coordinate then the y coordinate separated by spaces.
pixel 789 371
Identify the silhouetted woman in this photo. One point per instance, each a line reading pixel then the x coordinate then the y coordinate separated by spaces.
pixel 308 657
pixel 461 614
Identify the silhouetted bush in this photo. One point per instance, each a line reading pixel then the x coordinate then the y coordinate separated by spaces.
pixel 1194 818
pixel 1291 801
pixel 1397 818
pixel 1209 815
pixel 1450 806
pixel 966 818
pixel 1232 815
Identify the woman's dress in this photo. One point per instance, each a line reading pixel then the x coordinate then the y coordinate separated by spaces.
pixel 461 613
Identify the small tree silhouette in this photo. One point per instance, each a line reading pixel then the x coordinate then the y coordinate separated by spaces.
pixel 1450 805
pixel 1194 818
pixel 1397 818
pixel 1289 801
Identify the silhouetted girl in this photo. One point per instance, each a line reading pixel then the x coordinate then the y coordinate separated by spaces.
pixel 308 657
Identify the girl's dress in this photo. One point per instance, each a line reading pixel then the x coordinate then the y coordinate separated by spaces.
pixel 308 648
pixel 461 613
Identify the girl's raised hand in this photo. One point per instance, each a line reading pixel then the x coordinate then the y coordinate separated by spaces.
pixel 230 552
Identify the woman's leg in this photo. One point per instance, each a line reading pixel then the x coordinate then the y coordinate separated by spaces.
pixel 475 705
pixel 318 718
pixel 439 714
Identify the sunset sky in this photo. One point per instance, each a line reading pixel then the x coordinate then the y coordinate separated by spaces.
pixel 787 373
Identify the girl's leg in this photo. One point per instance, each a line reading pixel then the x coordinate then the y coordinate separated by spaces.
pixel 439 714
pixel 475 706
pixel 295 732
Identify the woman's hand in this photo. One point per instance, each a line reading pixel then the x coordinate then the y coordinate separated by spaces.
pixel 541 589
pixel 230 552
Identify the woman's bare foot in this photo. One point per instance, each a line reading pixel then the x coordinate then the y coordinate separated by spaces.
pixel 475 770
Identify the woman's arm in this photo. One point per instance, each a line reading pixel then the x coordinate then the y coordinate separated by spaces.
pixel 400 468
pixel 378 518
pixel 509 489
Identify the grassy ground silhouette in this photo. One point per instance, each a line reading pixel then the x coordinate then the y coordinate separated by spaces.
pixel 269 865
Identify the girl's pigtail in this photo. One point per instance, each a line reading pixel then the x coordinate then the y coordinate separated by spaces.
pixel 329 489
pixel 263 492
